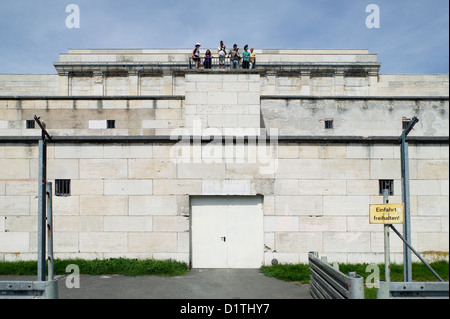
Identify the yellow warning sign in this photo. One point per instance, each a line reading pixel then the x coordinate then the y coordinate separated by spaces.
pixel 386 214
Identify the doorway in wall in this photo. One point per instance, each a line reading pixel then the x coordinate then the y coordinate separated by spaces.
pixel 227 232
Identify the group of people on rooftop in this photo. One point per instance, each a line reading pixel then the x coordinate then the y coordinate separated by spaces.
pixel 248 57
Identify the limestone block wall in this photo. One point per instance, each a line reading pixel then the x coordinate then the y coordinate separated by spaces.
pixel 169 84
pixel 322 193
pixel 302 83
pixel 133 200
pixel 69 117
pixel 29 85
pixel 113 209
pixel 124 85
pixel 413 85
pixel 119 72
pixel 126 200
pixel 223 101
pixel 234 105
pixel 355 117
pixel 305 83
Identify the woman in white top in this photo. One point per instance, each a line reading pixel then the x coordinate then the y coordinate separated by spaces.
pixel 222 53
pixel 196 55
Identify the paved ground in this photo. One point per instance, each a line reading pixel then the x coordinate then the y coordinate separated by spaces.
pixel 197 284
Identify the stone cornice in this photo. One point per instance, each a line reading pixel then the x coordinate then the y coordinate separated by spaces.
pixel 159 69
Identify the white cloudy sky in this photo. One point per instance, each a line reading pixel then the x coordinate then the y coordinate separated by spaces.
pixel 413 37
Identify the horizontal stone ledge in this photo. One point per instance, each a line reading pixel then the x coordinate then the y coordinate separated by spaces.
pixel 227 139
pixel 123 68
pixel 182 97
pixel 361 98
pixel 358 69
pixel 93 98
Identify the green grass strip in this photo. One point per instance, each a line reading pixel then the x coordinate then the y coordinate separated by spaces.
pixel 114 266
pixel 300 272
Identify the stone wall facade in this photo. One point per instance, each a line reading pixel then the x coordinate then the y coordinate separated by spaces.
pixel 132 184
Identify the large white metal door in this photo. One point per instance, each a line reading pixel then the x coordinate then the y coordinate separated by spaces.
pixel 209 230
pixel 227 232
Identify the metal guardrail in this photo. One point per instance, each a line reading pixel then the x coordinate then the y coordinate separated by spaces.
pixel 327 282
pixel 413 290
pixel 29 289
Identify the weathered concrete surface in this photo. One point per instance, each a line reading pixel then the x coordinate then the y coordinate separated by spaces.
pixel 197 284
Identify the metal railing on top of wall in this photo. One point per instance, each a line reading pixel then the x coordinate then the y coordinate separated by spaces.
pixel 221 62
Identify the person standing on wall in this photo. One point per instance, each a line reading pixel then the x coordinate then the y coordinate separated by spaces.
pixel 222 51
pixel 252 58
pixel 246 60
pixel 196 55
pixel 208 60
pixel 234 57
